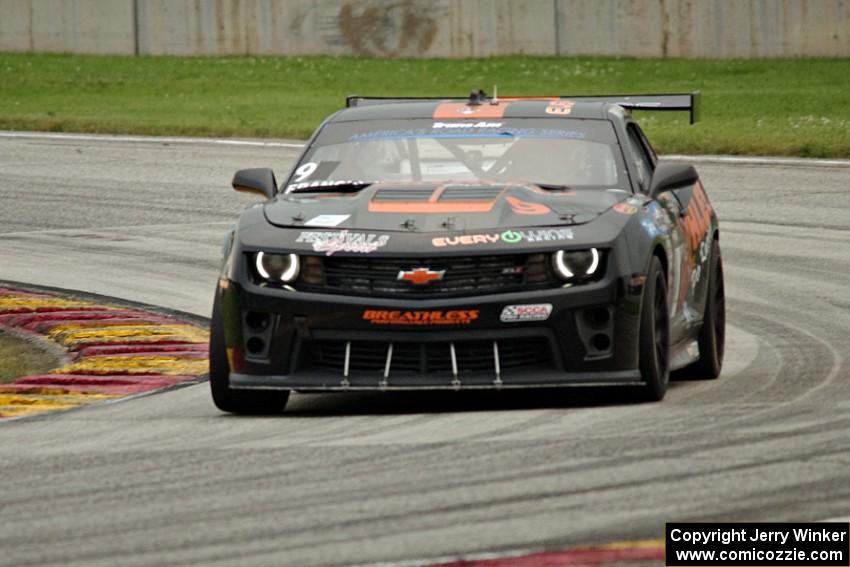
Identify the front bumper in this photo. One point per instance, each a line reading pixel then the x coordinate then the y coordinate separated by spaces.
pixel 278 339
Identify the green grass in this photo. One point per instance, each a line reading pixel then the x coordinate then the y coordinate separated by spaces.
pixel 795 107
pixel 19 357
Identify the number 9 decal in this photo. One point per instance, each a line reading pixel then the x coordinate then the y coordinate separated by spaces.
pixel 305 170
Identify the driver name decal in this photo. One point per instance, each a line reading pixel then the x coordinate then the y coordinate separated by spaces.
pixel 330 242
pixel 323 183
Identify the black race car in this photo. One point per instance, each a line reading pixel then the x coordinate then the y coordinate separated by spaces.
pixel 470 243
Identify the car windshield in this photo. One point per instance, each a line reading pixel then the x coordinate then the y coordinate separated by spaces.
pixel 577 153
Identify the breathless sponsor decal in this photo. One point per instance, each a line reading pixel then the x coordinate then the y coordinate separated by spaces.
pixel 327 220
pixel 531 312
pixel 505 237
pixel 343 241
pixel 451 317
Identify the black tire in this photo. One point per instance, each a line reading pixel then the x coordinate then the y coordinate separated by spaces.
pixel 712 334
pixel 654 339
pixel 236 401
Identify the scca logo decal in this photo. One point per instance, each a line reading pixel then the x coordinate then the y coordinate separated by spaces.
pixel 507 237
pixel 532 312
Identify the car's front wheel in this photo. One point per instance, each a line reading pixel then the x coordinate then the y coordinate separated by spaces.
pixel 225 398
pixel 654 340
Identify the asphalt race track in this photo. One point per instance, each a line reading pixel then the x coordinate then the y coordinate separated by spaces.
pixel 362 478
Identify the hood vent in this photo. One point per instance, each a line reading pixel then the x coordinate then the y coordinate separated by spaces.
pixel 470 193
pixel 449 193
pixel 407 195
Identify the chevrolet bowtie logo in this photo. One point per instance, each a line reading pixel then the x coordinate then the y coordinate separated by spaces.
pixel 421 276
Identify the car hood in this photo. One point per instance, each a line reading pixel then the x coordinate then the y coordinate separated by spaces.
pixel 441 207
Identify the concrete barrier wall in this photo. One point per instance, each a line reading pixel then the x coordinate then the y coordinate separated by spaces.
pixel 431 28
pixel 73 26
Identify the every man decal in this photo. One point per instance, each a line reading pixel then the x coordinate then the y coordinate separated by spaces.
pixel 508 237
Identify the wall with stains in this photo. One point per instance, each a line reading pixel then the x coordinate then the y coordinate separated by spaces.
pixel 73 26
pixel 431 28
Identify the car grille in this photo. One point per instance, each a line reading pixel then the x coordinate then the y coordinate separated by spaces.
pixel 471 356
pixel 465 275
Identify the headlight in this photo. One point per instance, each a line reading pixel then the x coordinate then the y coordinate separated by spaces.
pixel 576 264
pixel 277 268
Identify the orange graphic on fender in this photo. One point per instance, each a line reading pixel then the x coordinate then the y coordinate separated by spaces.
pixel 523 208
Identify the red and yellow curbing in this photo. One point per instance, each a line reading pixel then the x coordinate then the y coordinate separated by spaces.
pixel 621 553
pixel 112 351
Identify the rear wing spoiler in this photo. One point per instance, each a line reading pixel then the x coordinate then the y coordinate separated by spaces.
pixel 682 102
pixel 688 102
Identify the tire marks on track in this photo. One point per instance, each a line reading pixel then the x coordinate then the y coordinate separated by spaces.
pixel 372 478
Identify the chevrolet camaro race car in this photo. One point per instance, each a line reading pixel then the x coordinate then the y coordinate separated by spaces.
pixel 470 243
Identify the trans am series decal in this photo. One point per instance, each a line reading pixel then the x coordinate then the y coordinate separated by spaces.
pixel 330 242
pixel 451 317
pixel 506 237
pixel 467 130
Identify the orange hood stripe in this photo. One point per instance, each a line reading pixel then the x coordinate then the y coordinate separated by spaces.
pixel 432 208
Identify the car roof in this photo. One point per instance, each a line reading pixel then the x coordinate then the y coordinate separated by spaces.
pixel 462 110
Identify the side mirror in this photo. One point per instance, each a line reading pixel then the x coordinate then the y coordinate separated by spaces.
pixel 259 180
pixel 669 176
